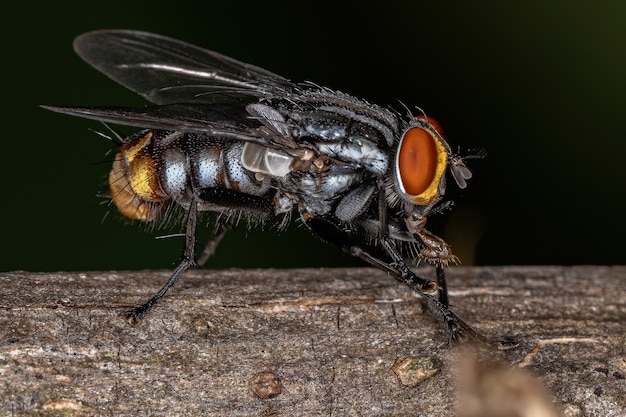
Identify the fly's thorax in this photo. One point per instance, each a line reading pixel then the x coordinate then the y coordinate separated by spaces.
pixel 301 176
pixel 339 126
pixel 331 115
pixel 133 180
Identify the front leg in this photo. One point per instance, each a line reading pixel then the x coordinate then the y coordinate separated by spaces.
pixel 391 250
pixel 434 250
pixel 332 232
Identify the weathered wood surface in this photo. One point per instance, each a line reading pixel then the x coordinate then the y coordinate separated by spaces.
pixel 310 342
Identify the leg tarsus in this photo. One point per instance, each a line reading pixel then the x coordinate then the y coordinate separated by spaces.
pixel 135 315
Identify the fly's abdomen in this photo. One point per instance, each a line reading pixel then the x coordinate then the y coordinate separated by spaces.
pixel 134 182
pixel 154 167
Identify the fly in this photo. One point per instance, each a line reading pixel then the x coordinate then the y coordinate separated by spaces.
pixel 232 138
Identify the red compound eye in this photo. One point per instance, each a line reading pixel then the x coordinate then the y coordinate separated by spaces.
pixel 417 160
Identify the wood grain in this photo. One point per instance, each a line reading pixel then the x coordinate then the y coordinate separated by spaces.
pixel 308 342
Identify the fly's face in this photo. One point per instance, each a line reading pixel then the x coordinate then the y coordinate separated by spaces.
pixel 232 138
pixel 422 158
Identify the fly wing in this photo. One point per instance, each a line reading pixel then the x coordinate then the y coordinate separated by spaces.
pixel 165 70
pixel 221 121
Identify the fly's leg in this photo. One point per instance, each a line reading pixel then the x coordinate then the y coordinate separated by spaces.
pixel 219 231
pixel 383 233
pixel 236 200
pixel 457 327
pixel 459 330
pixel 188 261
pixel 398 261
pixel 229 200
pixel 232 200
pixel 442 283
pixel 333 233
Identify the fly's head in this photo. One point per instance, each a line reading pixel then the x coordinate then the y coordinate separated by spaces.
pixel 422 159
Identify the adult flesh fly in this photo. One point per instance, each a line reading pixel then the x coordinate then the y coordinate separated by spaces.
pixel 231 138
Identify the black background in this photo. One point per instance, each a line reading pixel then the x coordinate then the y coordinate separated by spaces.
pixel 539 85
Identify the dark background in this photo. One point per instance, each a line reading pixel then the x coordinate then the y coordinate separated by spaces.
pixel 539 85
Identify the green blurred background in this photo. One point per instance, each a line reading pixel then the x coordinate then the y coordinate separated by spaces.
pixel 540 85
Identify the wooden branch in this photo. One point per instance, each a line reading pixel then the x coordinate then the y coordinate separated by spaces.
pixel 309 342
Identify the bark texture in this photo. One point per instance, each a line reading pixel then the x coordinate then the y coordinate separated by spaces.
pixel 339 342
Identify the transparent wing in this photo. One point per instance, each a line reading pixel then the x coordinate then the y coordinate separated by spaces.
pixel 165 70
pixel 222 121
